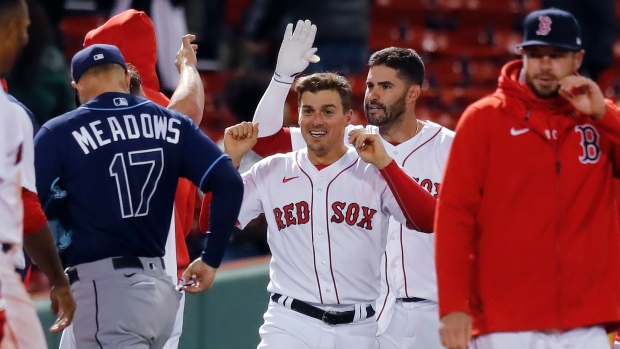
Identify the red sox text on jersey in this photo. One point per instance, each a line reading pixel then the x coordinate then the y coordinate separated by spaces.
pixel 352 214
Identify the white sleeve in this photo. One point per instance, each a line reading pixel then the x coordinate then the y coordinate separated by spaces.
pixel 350 128
pixel 28 176
pixel 270 110
pixel 297 140
pixel 251 206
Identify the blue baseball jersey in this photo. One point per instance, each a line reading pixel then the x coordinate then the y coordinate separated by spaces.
pixel 119 158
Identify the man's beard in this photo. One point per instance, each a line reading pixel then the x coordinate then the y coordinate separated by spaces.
pixel 544 94
pixel 391 113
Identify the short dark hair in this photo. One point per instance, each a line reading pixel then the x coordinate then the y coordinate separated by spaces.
pixel 135 81
pixel 7 7
pixel 326 81
pixel 405 61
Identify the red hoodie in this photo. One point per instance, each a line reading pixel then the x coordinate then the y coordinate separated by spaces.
pixel 133 33
pixel 526 226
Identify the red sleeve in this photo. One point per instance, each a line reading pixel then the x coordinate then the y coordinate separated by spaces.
pixel 417 203
pixel 34 218
pixel 610 123
pixel 459 201
pixel 203 221
pixel 278 143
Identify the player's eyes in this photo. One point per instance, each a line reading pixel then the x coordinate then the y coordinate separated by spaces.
pixel 328 112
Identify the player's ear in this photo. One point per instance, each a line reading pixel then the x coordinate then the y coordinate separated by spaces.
pixel 413 93
pixel 127 80
pixel 578 59
pixel 349 116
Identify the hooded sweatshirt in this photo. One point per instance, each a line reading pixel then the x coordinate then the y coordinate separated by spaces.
pixel 527 227
pixel 133 33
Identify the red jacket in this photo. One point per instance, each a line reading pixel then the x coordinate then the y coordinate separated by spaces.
pixel 140 49
pixel 527 227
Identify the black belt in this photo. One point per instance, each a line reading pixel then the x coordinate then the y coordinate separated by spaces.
pixel 329 317
pixel 412 300
pixel 117 263
pixel 6 247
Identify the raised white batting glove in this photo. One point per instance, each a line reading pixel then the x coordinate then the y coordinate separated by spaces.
pixel 296 51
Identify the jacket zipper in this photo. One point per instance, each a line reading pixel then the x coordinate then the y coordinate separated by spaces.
pixel 558 168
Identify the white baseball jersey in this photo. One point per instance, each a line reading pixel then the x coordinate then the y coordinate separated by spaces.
pixel 11 144
pixel 327 229
pixel 28 178
pixel 408 266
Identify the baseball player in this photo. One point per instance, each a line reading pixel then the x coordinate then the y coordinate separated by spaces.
pixel 22 327
pixel 327 212
pixel 119 157
pixel 134 34
pixel 39 244
pixel 407 309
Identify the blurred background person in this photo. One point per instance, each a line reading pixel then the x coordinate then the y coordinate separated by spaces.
pixel 40 77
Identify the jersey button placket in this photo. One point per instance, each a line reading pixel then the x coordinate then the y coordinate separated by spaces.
pixel 321 241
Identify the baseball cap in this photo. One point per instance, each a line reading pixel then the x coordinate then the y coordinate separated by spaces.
pixel 95 55
pixel 551 27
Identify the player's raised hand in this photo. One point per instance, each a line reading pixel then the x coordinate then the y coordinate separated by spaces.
pixel 63 305
pixel 370 148
pixel 239 139
pixel 584 94
pixel 296 51
pixel 455 330
pixel 187 52
pixel 201 274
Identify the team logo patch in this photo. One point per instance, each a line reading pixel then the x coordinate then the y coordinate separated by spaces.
pixel 120 102
pixel 98 56
pixel 544 25
pixel 589 144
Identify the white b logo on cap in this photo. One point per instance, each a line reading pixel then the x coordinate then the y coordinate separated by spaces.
pixel 544 25
pixel 98 56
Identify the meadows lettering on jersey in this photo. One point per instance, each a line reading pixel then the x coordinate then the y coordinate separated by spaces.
pixel 299 213
pixel 113 129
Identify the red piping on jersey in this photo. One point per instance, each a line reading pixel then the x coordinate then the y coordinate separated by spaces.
pixel 329 243
pixel 316 273
pixel 388 287
pixel 421 145
pixel 402 254
pixel 402 249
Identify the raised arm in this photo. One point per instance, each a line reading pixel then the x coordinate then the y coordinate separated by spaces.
pixel 295 55
pixel 189 96
pixel 585 95
pixel 415 202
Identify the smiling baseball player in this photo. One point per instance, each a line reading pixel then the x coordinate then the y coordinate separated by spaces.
pixel 328 208
pixel 407 309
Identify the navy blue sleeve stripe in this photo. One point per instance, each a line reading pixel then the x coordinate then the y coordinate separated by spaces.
pixel 204 177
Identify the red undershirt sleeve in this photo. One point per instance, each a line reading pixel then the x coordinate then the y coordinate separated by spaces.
pixel 278 143
pixel 417 204
pixel 34 218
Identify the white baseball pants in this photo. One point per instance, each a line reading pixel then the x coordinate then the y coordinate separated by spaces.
pixel 23 329
pixel 413 325
pixel 287 329
pixel 579 338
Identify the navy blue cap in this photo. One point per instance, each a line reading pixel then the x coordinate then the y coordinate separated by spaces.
pixel 551 27
pixel 95 55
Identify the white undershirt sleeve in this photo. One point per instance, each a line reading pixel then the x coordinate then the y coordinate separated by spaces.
pixel 270 110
